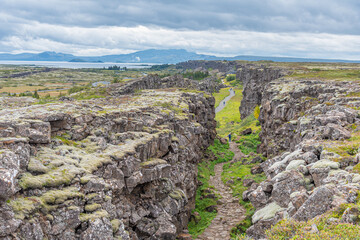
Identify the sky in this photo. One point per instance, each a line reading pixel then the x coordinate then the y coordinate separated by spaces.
pixel 293 28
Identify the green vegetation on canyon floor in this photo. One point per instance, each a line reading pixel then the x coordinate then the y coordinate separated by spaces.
pixel 205 196
pixel 233 173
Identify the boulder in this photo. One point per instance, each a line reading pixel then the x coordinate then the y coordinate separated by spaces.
pixel 285 184
pixel 298 198
pixel 317 203
pixel 99 229
pixel 258 198
pixel 256 169
pixel 335 132
pixel 248 182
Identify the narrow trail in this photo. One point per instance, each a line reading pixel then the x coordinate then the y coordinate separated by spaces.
pixel 225 100
pixel 230 212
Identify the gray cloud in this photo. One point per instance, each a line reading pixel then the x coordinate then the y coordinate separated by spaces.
pixel 330 16
pixel 306 28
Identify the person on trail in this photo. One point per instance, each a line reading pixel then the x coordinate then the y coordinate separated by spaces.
pixel 229 137
pixel 224 102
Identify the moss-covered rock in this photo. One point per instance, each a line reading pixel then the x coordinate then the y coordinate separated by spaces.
pixel 267 212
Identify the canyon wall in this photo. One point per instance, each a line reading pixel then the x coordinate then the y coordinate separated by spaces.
pixel 209 85
pixel 254 79
pixel 304 124
pixel 121 167
pixel 221 66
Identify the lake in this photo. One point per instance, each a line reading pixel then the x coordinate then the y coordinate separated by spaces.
pixel 75 64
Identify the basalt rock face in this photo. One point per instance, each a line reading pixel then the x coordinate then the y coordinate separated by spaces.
pixel 254 79
pixel 209 85
pixel 302 121
pixel 294 111
pixel 114 168
pixel 221 66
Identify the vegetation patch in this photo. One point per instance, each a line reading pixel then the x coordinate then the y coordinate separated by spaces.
pixel 249 143
pixel 329 74
pixel 221 154
pixel 197 75
pixel 223 93
pixel 24 207
pixel 291 229
pixel 228 119
pixel 238 172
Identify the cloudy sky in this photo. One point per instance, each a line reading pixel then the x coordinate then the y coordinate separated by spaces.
pixel 297 28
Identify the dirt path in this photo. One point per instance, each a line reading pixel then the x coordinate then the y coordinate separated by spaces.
pixel 230 212
pixel 223 103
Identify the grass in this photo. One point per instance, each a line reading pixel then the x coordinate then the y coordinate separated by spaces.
pixel 223 93
pixel 221 154
pixel 291 229
pixel 230 114
pixel 249 143
pixel 242 170
pixel 333 74
pixel 197 75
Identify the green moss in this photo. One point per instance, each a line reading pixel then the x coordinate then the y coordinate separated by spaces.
pixel 24 207
pixel 50 217
pixel 177 194
pixel 36 166
pixel 267 212
pixel 325 164
pixel 60 166
pixel 92 163
pixel 85 179
pixel 115 223
pixel 60 196
pixel 66 141
pixel 84 217
pixel 175 139
pixel 152 163
pixel 92 207
pixel 62 175
pixel 169 106
pixel 91 196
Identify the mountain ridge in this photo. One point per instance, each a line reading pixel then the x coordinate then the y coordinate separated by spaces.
pixel 158 56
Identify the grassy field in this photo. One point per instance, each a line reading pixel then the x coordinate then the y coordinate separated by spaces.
pixel 45 79
pixel 333 74
pixel 223 93
pixel 229 116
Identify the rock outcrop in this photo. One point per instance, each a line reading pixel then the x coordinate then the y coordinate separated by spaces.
pixel 120 167
pixel 303 122
pixel 254 79
pixel 209 85
pixel 221 66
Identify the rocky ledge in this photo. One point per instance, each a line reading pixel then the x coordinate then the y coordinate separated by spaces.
pixel 113 168
pixel 309 133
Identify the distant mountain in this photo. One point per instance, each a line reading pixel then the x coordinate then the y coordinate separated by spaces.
pixel 152 56
pixel 44 56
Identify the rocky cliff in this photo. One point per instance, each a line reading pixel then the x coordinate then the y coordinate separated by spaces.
pixel 254 79
pixel 121 167
pixel 221 66
pixel 209 85
pixel 305 127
